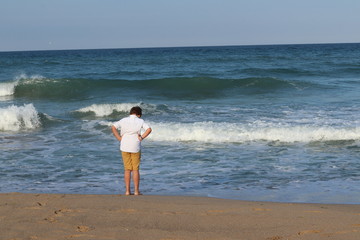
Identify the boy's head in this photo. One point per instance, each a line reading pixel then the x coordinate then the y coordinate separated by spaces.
pixel 136 110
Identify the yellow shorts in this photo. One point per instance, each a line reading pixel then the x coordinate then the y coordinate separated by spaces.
pixel 131 160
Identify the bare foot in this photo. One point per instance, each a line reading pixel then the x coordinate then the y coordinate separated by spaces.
pixel 137 193
pixel 127 193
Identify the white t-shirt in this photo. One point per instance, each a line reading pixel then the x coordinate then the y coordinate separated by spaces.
pixel 130 128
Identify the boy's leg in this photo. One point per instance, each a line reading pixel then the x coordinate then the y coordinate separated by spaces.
pixel 136 179
pixel 135 159
pixel 127 177
pixel 127 170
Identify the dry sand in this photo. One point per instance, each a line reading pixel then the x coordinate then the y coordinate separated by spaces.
pixel 57 216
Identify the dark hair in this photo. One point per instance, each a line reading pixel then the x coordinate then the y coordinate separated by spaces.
pixel 136 110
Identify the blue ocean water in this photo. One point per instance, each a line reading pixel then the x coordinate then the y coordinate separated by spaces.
pixel 268 123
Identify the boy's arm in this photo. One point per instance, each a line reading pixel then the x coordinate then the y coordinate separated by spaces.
pixel 145 134
pixel 116 133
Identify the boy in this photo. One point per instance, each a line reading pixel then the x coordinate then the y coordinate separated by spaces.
pixel 130 144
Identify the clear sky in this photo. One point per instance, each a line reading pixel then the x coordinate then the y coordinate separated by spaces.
pixel 88 24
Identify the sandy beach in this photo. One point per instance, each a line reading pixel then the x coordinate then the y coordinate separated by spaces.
pixel 63 216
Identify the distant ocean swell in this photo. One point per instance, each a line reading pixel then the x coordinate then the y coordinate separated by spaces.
pixel 38 86
pixel 27 118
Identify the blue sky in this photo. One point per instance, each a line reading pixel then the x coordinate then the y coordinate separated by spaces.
pixel 88 24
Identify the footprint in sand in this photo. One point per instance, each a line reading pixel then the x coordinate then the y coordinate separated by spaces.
pixel 84 228
pixel 37 205
pixel 309 232
pixel 61 212
pixel 50 219
pixel 125 210
pixel 274 238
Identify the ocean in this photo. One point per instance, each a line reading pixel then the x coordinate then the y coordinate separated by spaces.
pixel 262 123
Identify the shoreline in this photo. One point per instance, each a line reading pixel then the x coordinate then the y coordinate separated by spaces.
pixel 78 216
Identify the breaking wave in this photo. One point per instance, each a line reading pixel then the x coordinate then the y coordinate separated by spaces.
pixel 215 132
pixel 114 109
pixel 104 110
pixel 7 88
pixel 238 133
pixel 37 86
pixel 16 118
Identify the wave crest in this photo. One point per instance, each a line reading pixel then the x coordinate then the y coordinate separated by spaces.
pixel 105 110
pixel 16 118
pixel 7 88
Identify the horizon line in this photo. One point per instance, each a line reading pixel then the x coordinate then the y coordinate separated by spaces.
pixel 194 46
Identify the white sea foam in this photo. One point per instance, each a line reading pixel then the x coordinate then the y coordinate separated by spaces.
pixel 7 88
pixel 103 110
pixel 15 118
pixel 238 133
pixel 29 79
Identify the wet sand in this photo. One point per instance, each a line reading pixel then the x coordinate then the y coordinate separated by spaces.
pixel 71 216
